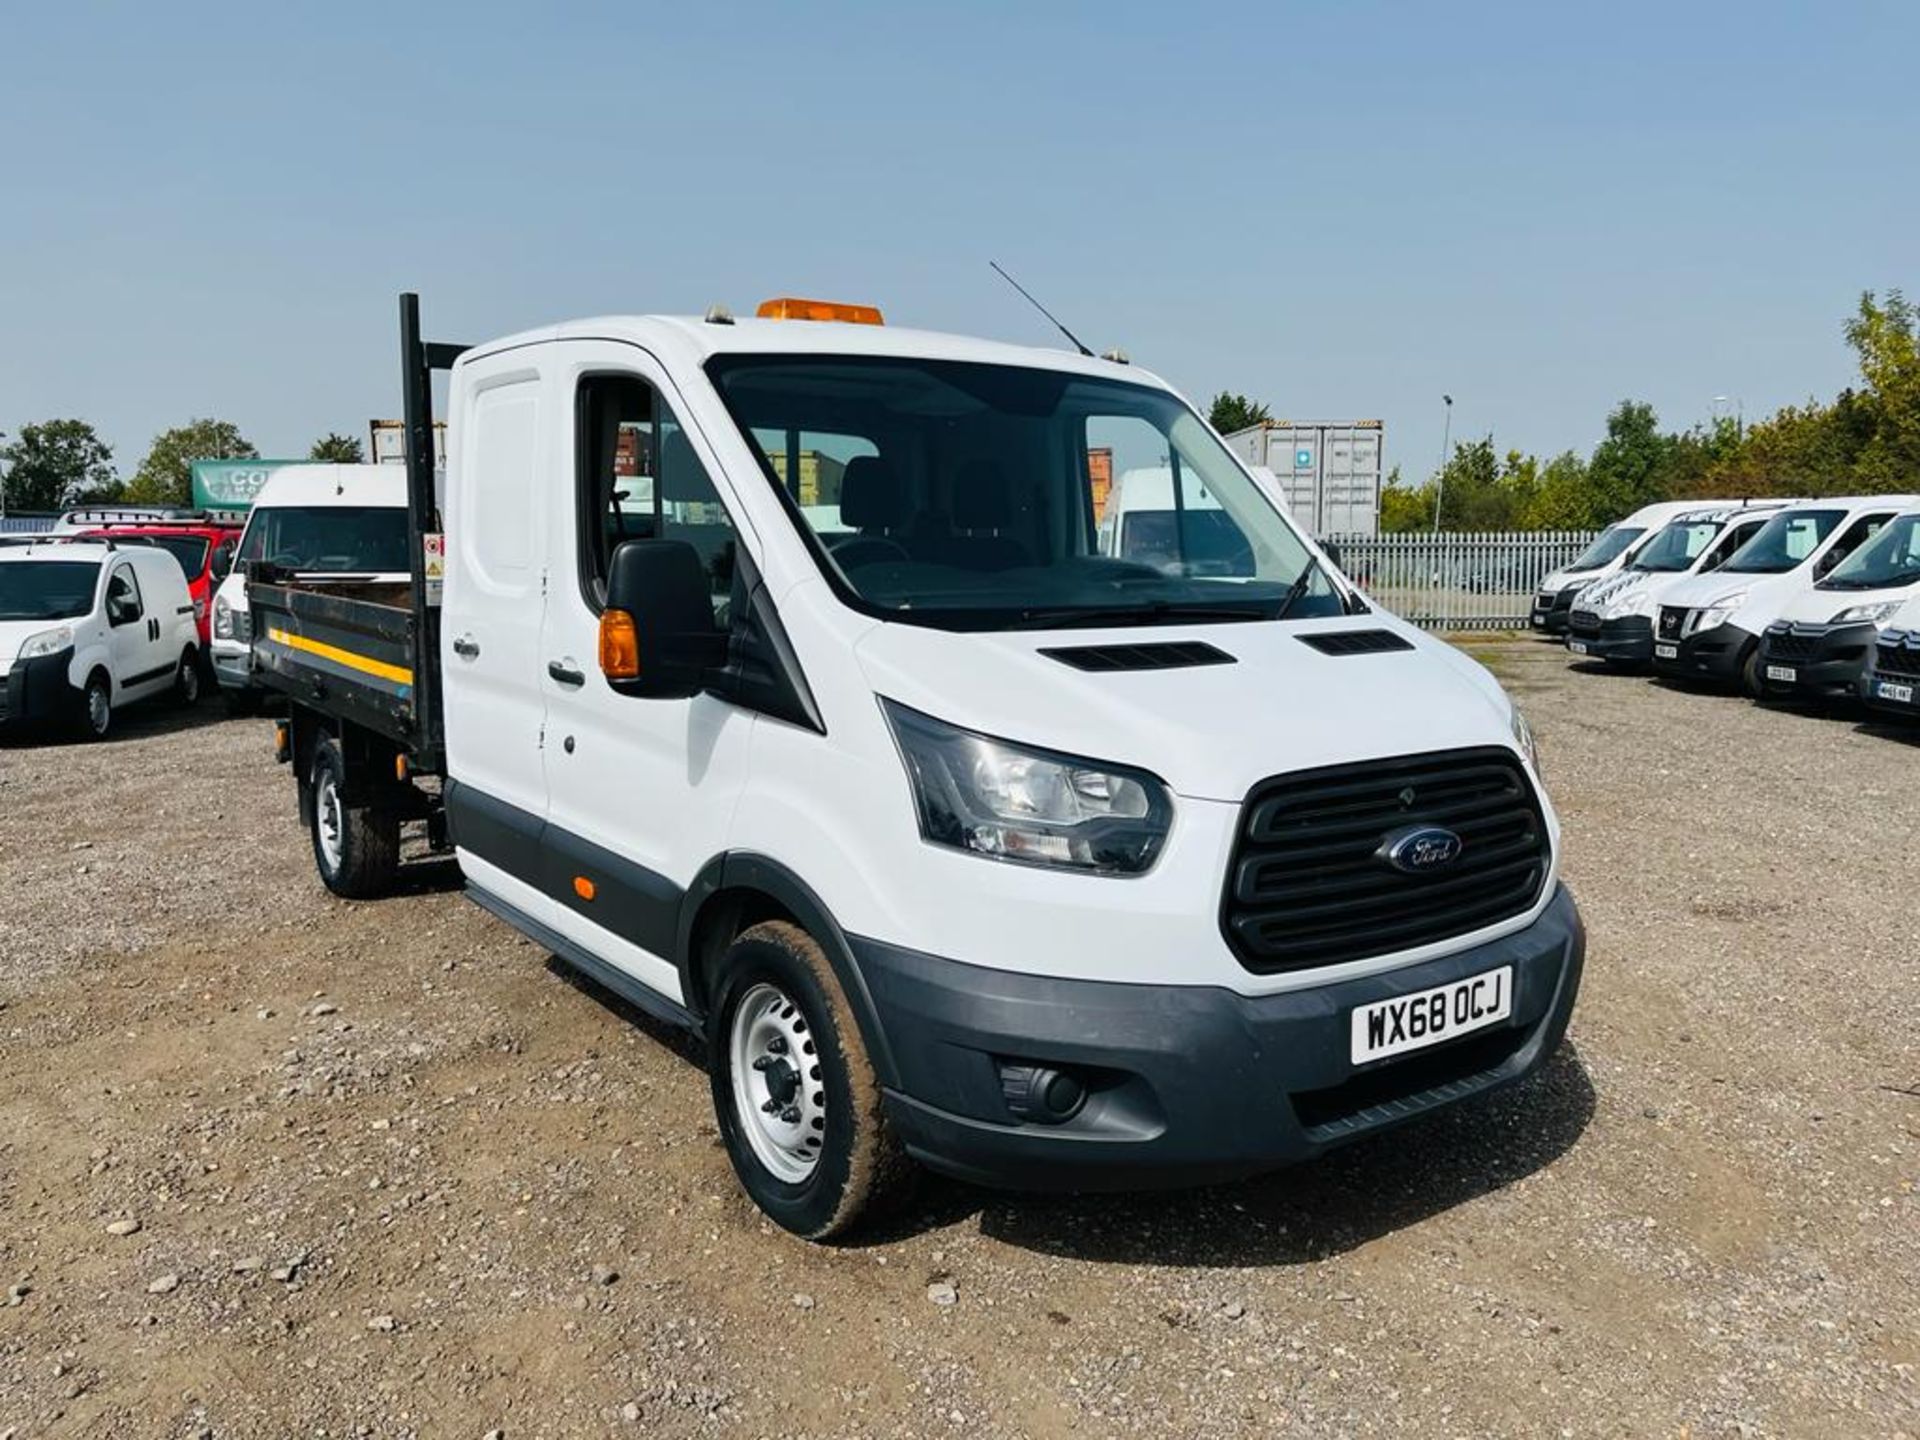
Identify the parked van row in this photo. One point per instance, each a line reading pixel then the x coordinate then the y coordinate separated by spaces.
pixel 1812 599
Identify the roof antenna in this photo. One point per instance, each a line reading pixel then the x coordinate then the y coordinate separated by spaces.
pixel 1041 308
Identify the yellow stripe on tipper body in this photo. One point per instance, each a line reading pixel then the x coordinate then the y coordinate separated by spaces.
pixel 399 674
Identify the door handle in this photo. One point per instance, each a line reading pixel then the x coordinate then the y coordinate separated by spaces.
pixel 565 673
pixel 467 648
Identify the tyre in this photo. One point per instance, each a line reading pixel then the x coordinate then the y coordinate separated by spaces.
pixel 1750 680
pixel 186 678
pixel 798 1104
pixel 356 848
pixel 94 719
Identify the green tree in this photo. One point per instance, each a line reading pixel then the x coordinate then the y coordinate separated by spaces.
pixel 1629 467
pixel 338 449
pixel 165 477
pixel 1405 507
pixel 1471 497
pixel 55 463
pixel 1236 412
pixel 1562 497
pixel 1885 335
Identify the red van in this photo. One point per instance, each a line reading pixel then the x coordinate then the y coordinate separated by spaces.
pixel 203 548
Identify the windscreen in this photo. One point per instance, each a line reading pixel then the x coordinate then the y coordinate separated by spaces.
pixel 329 539
pixel 1612 542
pixel 47 589
pixel 972 496
pixel 1784 542
pixel 1887 562
pixel 1677 546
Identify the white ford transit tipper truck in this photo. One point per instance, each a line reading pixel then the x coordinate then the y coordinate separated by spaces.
pixel 779 682
pixel 1709 626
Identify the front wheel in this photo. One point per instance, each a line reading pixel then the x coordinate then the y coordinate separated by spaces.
pixel 95 718
pixel 1750 680
pixel 356 847
pixel 186 679
pixel 798 1104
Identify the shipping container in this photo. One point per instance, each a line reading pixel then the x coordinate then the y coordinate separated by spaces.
pixel 1330 473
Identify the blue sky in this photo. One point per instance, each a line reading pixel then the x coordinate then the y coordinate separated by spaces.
pixel 1343 209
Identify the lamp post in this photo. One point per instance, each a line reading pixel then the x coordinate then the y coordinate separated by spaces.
pixel 1440 480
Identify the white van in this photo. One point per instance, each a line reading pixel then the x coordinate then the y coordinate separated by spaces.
pixel 1709 627
pixel 86 628
pixel 1612 619
pixel 1891 681
pixel 1151 519
pixel 1820 645
pixel 345 522
pixel 961 841
pixel 1610 553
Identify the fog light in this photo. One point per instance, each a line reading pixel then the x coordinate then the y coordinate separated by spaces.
pixel 1041 1093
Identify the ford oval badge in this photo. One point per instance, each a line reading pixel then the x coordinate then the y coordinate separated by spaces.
pixel 1420 849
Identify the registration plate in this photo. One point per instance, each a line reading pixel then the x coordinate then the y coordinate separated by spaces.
pixel 1578 647
pixel 1412 1022
pixel 1887 690
pixel 1785 674
pixel 1666 652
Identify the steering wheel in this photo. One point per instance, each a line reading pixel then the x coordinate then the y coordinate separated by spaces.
pixel 868 550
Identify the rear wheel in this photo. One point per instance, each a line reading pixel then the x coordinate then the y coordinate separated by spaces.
pixel 356 847
pixel 794 1091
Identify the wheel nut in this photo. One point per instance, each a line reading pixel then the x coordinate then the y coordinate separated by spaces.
pixel 761 1062
pixel 777 1045
pixel 770 1106
pixel 791 1115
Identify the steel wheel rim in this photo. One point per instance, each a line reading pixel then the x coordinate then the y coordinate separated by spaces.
pixel 328 821
pixel 99 709
pixel 779 1095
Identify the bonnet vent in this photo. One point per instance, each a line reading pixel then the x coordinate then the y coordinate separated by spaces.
pixel 1173 655
pixel 1355 642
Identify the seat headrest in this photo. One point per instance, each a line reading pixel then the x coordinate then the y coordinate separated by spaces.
pixel 982 496
pixel 871 496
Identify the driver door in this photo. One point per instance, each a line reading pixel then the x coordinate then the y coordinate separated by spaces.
pixel 129 633
pixel 640 791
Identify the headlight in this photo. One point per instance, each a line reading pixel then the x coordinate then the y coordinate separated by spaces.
pixel 1523 736
pixel 47 642
pixel 1032 806
pixel 1866 614
pixel 1722 611
pixel 223 617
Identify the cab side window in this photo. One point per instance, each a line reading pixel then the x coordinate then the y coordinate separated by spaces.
pixel 639 479
pixel 1736 536
pixel 1857 534
pixel 123 597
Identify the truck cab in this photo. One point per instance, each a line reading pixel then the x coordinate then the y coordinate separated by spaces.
pixel 87 627
pixel 786 687
pixel 1819 647
pixel 1709 627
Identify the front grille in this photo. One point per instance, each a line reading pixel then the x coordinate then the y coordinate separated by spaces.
pixel 1785 644
pixel 1672 619
pixel 1308 884
pixel 1585 621
pixel 1898 653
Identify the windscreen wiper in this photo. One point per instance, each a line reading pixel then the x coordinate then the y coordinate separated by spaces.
pixel 1299 586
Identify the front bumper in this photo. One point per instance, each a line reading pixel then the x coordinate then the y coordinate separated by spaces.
pixel 232 665
pixel 1890 682
pixel 36 692
pixel 1625 641
pixel 1799 659
pixel 1715 654
pixel 1551 610
pixel 1188 1085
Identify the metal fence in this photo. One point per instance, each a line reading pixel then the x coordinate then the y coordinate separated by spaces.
pixel 1449 581
pixel 19 524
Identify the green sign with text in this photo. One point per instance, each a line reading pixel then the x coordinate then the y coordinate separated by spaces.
pixel 232 484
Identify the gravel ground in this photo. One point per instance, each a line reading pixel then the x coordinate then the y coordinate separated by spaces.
pixel 273 1164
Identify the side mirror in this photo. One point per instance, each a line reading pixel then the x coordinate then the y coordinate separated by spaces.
pixel 658 637
pixel 222 564
pixel 1332 551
